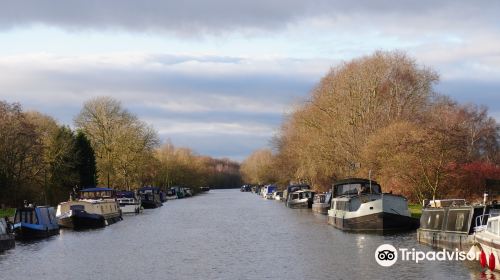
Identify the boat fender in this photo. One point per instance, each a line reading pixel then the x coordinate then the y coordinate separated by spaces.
pixel 474 251
pixel 482 259
pixel 491 262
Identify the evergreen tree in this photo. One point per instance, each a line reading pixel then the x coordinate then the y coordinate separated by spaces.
pixel 86 162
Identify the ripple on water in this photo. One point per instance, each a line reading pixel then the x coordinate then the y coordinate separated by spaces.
pixel 222 234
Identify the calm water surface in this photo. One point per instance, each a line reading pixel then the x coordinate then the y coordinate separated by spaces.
pixel 223 234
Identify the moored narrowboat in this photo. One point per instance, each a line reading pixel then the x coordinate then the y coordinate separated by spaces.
pixel 450 223
pixel 150 197
pixel 129 202
pixel 171 194
pixel 33 222
pixel 94 208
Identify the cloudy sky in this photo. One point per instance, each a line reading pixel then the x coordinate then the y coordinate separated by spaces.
pixel 218 75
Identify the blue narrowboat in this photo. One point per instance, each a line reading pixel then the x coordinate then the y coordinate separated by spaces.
pixel 31 222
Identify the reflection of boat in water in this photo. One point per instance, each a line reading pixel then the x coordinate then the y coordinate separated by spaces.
pixel 32 222
pixel 321 203
pixel 94 208
pixel 6 237
pixel 360 205
pixel 300 199
pixel 129 202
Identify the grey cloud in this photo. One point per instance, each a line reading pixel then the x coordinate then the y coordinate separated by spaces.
pixel 217 16
pixel 227 114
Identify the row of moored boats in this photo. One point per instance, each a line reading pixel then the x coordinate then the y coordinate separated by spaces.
pixel 360 205
pixel 352 204
pixel 86 209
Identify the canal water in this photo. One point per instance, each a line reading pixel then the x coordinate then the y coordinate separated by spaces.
pixel 222 234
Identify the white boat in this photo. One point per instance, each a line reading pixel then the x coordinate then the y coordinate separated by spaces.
pixel 321 203
pixel 360 205
pixel 300 199
pixel 129 202
pixel 95 207
pixel 268 191
pixel 487 238
pixel 171 194
pixel 278 195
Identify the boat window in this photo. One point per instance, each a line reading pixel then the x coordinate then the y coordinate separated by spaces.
pixel 354 189
pixel 493 226
pixel 432 219
pixel 458 220
pixel 342 205
pixel 437 221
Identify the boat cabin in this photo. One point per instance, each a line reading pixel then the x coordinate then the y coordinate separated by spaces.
pixel 35 222
pixel 355 186
pixel 97 193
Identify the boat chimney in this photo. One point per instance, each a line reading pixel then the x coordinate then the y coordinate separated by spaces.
pixel 370 178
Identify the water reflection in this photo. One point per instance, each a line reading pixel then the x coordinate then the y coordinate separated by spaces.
pixel 222 235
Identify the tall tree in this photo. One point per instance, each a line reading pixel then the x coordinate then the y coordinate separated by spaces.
pixel 120 141
pixel 85 161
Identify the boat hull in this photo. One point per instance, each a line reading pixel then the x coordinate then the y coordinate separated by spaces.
pixel 490 245
pixel 321 208
pixel 147 204
pixel 445 239
pixel 131 208
pixel 298 205
pixel 84 220
pixel 29 233
pixel 381 221
pixel 7 241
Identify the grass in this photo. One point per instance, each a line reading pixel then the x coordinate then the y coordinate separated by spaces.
pixel 9 212
pixel 415 210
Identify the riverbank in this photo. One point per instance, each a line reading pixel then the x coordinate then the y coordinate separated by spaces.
pixel 415 210
pixel 9 212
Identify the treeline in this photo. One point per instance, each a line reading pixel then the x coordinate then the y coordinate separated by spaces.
pixel 39 159
pixel 42 161
pixel 380 114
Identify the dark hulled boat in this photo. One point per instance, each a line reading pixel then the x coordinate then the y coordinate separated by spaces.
pixel 360 205
pixel 33 222
pixel 6 237
pixel 150 197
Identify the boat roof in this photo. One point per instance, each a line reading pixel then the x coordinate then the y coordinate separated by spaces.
pixel 125 194
pixel 96 190
pixel 303 191
pixel 354 181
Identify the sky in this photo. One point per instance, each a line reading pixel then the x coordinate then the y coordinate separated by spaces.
pixel 219 76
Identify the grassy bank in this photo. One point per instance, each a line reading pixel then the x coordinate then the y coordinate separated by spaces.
pixel 415 210
pixel 9 212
